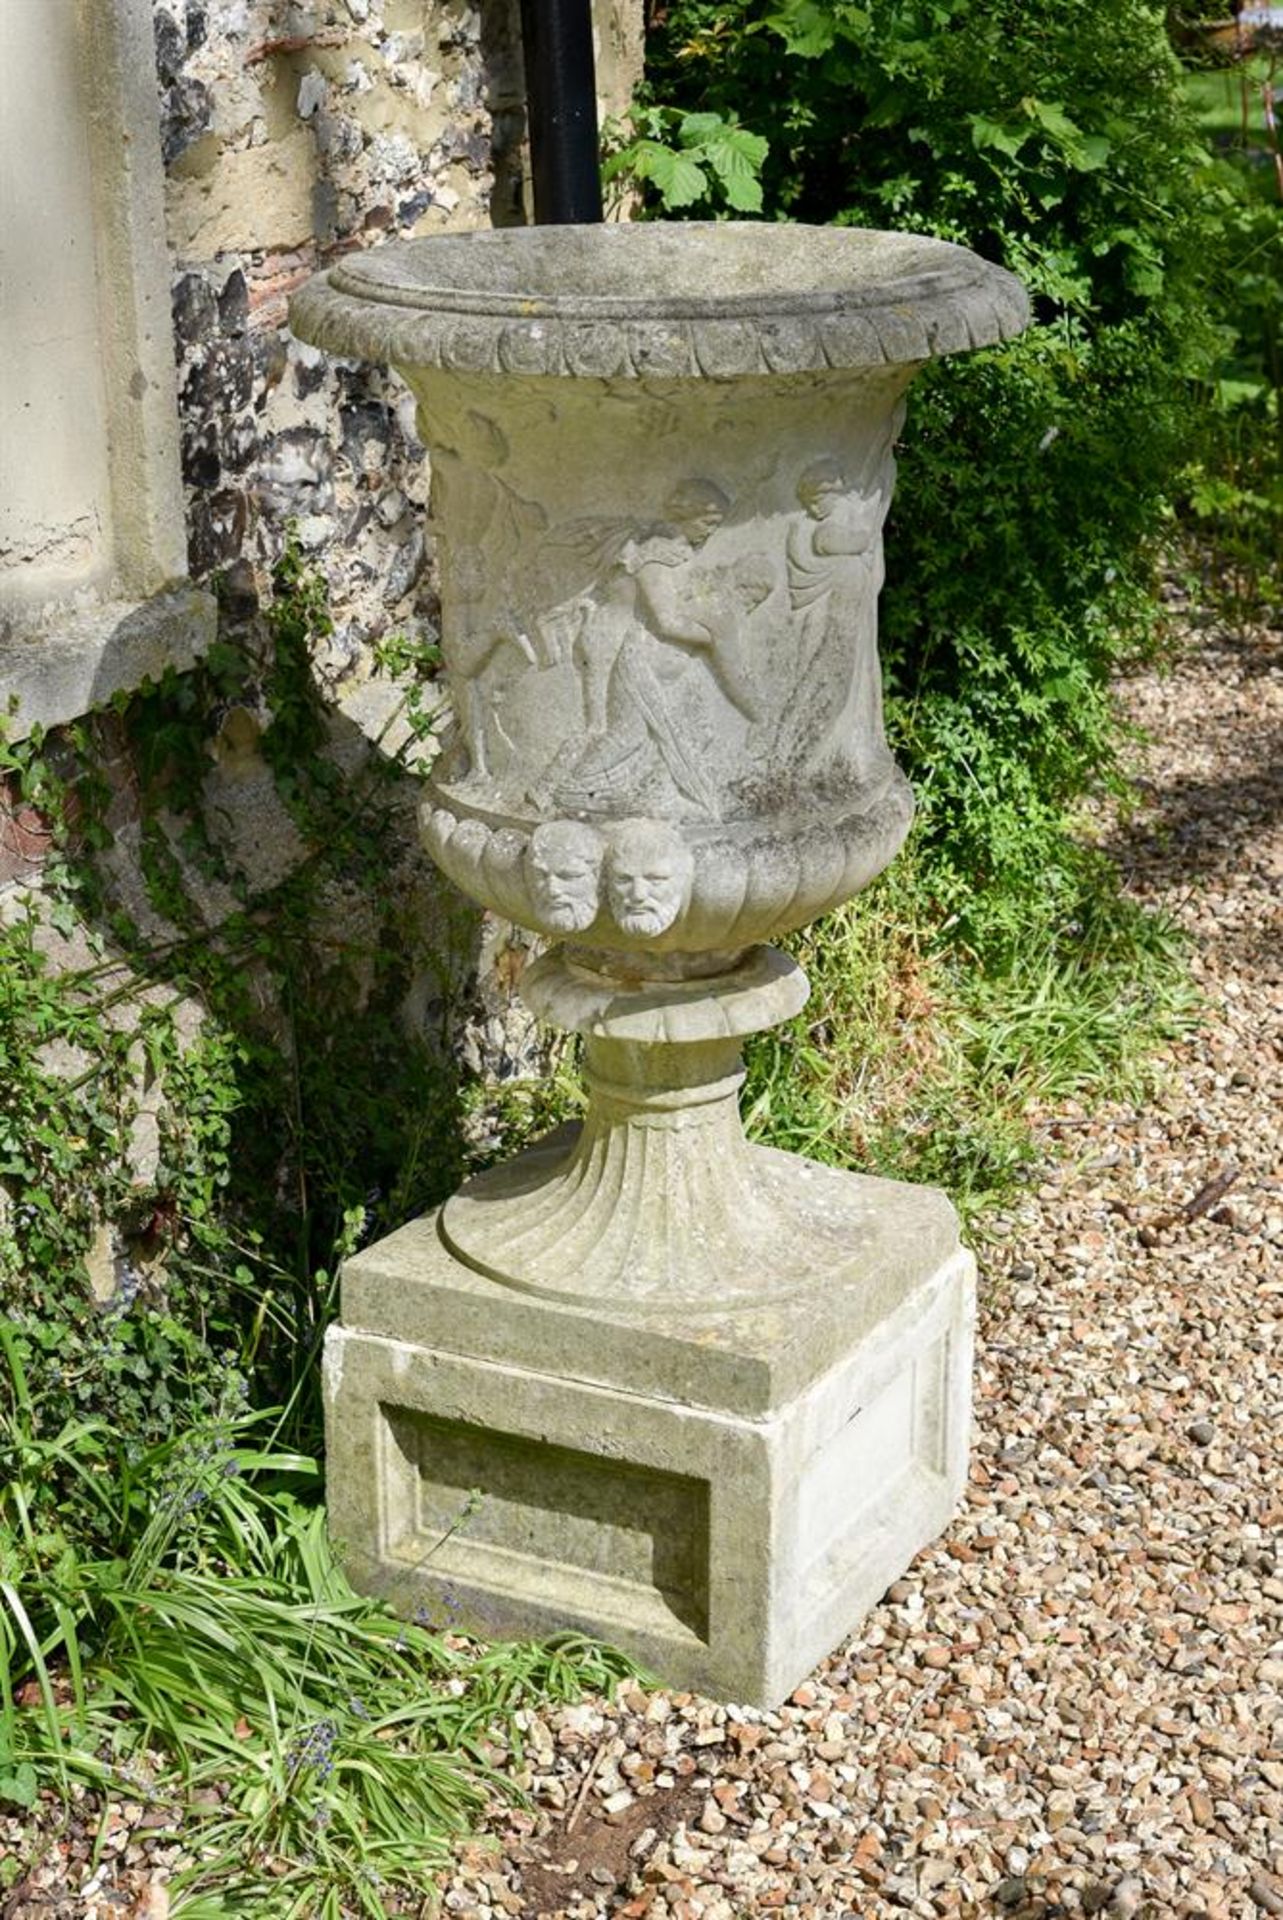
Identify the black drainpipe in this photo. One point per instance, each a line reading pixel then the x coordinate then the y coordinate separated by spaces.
pixel 561 110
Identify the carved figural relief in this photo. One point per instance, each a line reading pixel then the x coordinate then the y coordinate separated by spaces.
pixel 641 867
pixel 698 667
pixel 491 528
pixel 634 655
pixel 612 620
pixel 832 717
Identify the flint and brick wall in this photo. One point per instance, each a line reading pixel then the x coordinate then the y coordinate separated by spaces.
pixel 292 134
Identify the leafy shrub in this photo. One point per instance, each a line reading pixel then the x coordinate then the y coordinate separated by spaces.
pixel 1034 478
pixel 297 1115
pixel 1231 488
pixel 687 157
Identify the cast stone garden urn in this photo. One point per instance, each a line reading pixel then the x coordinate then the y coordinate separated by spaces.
pixel 713 1397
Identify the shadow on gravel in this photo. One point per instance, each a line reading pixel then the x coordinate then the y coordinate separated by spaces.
pixel 1200 827
pixel 1256 654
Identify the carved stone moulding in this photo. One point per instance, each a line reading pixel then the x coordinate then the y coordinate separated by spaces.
pixel 710 299
pixel 661 459
pixel 729 888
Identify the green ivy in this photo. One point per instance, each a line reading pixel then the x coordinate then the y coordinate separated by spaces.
pixel 296 1113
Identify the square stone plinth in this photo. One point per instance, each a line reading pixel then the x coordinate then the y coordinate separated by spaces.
pixel 722 1496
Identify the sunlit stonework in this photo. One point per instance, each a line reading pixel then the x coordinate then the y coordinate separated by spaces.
pixel 662 460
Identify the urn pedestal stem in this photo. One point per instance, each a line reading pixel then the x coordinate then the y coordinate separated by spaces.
pixel 658 1204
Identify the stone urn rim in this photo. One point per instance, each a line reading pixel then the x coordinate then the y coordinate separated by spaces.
pixel 661 299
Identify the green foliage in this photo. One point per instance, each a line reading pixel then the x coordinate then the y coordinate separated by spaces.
pixel 415 663
pixel 1034 478
pixel 322 1753
pixel 690 159
pixel 77 1048
pixel 263 1026
pixel 166 1584
pixel 1231 489
pixel 911 1062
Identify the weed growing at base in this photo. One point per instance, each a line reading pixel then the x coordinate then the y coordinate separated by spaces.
pixel 210 1659
pixel 915 1061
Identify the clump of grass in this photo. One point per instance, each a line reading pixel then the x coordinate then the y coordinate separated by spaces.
pixel 347 1747
pixel 914 1061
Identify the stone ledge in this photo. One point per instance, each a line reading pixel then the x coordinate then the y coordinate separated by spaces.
pixel 396 304
pixel 54 676
pixel 746 1362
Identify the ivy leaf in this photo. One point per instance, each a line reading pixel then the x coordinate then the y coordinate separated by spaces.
pixel 806 28
pixel 63 917
pixel 1093 152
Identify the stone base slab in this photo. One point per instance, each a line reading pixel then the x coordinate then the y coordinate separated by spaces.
pixel 724 1511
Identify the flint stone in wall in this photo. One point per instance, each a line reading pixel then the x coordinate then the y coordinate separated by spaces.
pixel 220 379
pixel 196 315
pixel 217 528
pixel 406 569
pixel 202 467
pixel 233 303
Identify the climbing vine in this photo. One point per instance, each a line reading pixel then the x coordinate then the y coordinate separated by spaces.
pixel 224 1048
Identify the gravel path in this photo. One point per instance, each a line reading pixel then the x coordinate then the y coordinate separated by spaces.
pixel 1074 1702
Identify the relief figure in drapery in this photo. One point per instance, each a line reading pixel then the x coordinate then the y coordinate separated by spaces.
pixel 832 719
pixel 490 531
pixel 657 609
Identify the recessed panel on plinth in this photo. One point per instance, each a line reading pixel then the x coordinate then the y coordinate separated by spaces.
pixel 726 1535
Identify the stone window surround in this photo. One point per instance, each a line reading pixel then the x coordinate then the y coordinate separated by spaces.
pixel 60 659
